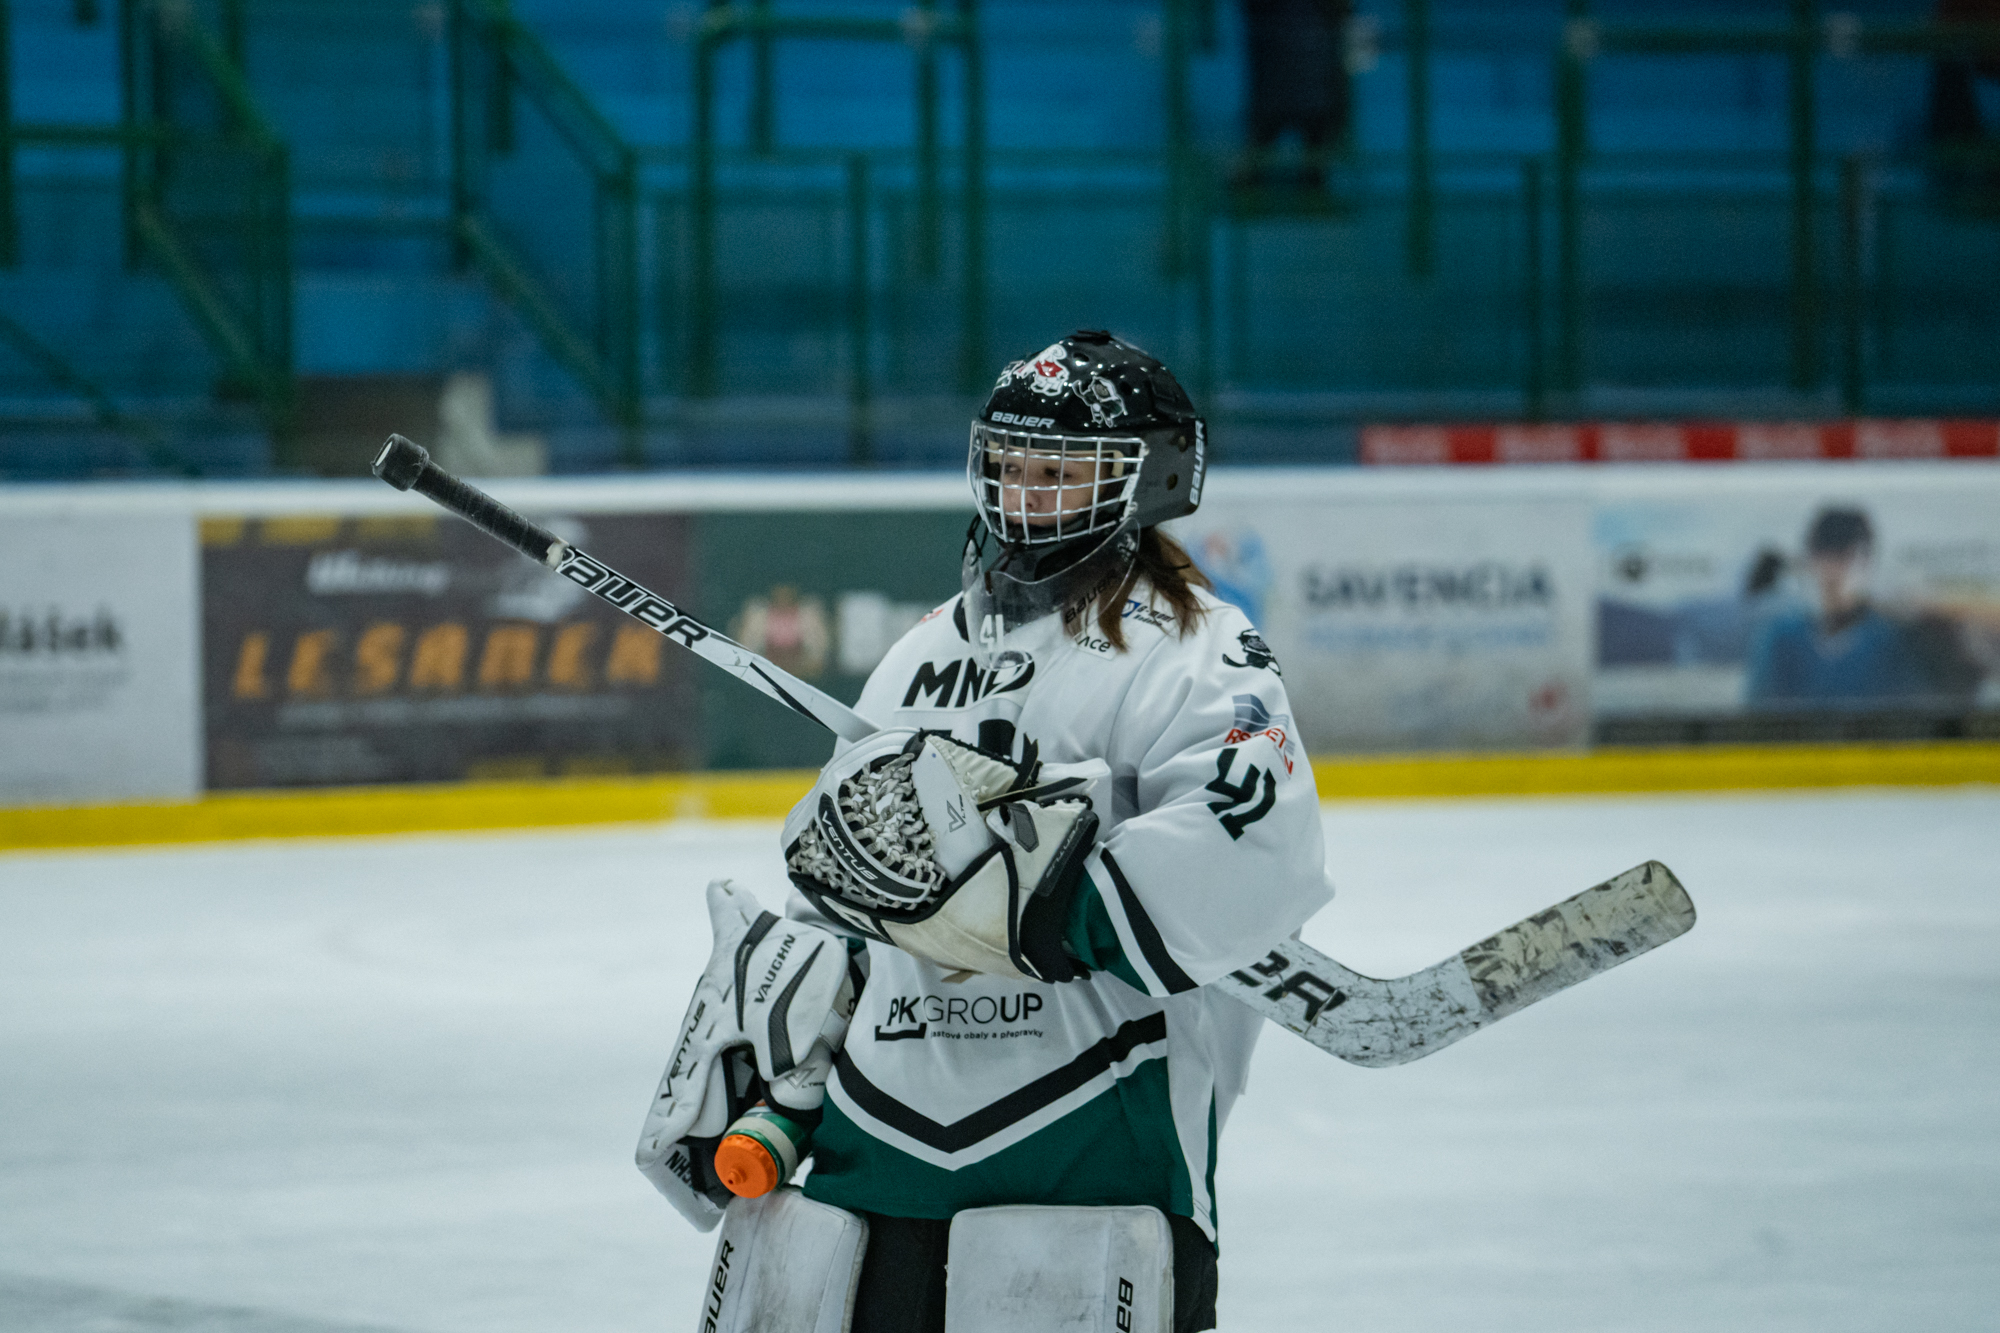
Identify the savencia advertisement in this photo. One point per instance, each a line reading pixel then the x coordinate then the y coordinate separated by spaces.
pixel 1414 624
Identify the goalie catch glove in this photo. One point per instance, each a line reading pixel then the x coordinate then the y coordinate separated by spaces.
pixel 766 1018
pixel 952 853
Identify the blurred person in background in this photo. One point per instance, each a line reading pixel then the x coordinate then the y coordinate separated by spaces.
pixel 1962 118
pixel 789 629
pixel 1847 652
pixel 1297 79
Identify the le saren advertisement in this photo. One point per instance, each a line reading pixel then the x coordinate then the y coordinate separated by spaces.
pixel 343 649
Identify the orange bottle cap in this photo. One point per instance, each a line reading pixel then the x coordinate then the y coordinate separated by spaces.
pixel 745 1166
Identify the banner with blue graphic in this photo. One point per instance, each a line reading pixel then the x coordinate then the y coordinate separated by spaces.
pixel 1412 623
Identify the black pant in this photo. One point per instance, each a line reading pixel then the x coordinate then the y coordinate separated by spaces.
pixel 902 1277
pixel 1297 72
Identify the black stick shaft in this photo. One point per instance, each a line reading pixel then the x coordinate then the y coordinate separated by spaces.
pixel 407 467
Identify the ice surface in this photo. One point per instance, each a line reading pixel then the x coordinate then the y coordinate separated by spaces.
pixel 395 1084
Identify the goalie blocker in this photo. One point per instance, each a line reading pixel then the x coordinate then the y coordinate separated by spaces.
pixel 767 1015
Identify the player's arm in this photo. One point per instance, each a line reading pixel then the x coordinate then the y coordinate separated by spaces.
pixel 1225 853
pixel 977 862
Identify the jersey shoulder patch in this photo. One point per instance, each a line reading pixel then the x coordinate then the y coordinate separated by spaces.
pixel 1090 639
pixel 1139 610
pixel 1227 635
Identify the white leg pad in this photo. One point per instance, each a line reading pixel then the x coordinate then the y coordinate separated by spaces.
pixel 784 1264
pixel 1077 1270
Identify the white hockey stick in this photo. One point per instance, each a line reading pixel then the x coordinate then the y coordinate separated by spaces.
pixel 1377 1022
pixel 1362 1020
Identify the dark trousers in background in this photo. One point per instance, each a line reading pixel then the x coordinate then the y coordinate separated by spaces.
pixel 1297 73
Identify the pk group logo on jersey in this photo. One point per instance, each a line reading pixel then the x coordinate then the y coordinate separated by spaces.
pixel 911 1017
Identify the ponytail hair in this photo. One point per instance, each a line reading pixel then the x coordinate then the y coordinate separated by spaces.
pixel 1165 565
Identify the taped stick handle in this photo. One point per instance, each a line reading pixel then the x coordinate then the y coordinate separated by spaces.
pixel 407 466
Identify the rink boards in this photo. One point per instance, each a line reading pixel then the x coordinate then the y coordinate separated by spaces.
pixel 477 806
pixel 198 650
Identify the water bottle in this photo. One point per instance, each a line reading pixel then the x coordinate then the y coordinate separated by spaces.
pixel 759 1151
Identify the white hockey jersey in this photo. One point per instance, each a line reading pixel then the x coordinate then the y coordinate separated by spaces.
pixel 959 1090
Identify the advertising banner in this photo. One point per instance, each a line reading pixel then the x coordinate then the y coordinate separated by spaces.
pixel 145 653
pixel 1414 624
pixel 823 594
pixel 1814 598
pixel 1680 442
pixel 378 648
pixel 367 649
pixel 98 698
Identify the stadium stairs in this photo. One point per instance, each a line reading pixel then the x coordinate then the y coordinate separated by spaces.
pixel 1292 323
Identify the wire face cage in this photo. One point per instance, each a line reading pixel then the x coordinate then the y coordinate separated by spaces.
pixel 1044 489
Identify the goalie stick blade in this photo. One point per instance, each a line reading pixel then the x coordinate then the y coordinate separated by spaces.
pixel 1391 1021
pixel 1577 938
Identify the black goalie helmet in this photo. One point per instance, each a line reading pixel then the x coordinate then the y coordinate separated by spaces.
pixel 1077 450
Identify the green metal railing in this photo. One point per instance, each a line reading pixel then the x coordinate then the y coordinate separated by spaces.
pixel 1835 293
pixel 546 204
pixel 1808 37
pixel 104 409
pixel 589 322
pixel 10 242
pixel 205 190
pixel 1315 301
pixel 1420 235
pixel 924 29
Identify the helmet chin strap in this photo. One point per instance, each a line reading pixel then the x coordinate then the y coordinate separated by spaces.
pixel 1000 600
